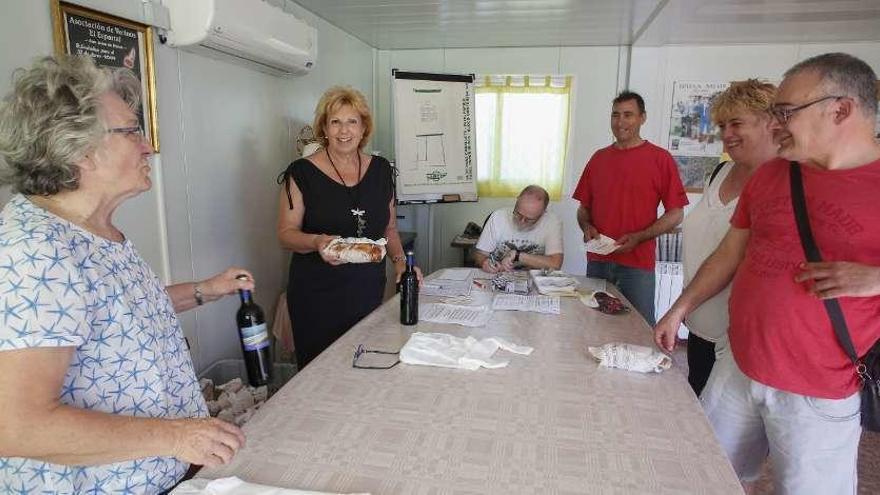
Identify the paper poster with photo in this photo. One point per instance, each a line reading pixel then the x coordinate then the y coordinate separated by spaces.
pixel 111 42
pixel 691 131
pixel 694 170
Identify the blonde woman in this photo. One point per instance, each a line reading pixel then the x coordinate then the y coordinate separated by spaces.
pixel 742 112
pixel 339 191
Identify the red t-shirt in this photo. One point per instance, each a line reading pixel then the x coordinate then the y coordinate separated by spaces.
pixel 780 334
pixel 622 189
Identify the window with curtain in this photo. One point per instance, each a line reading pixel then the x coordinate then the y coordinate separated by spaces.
pixel 522 133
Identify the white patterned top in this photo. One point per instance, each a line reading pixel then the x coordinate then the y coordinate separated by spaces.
pixel 61 285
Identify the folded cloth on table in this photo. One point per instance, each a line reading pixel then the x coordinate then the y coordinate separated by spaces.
pixel 631 357
pixel 235 486
pixel 554 283
pixel 440 349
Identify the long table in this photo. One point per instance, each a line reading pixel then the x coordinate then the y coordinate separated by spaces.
pixel 550 423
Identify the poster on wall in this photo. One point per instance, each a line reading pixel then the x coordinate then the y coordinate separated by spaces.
pixel 434 143
pixel 693 138
pixel 691 131
pixel 115 43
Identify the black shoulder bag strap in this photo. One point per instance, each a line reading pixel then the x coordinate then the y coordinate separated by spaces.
pixel 715 172
pixel 832 306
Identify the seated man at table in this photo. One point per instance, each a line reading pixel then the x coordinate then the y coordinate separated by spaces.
pixel 526 236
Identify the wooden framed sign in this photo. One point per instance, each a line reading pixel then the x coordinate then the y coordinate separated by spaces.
pixel 111 42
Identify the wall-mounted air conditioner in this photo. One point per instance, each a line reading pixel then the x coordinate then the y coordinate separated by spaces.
pixel 253 31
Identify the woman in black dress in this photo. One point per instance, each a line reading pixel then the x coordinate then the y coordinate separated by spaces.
pixel 339 191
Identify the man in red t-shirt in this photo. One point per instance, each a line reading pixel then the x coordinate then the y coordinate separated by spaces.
pixel 619 192
pixel 790 388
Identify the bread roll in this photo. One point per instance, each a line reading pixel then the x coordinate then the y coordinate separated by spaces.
pixel 356 249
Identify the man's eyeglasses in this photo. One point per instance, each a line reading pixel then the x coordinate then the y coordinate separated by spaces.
pixel 524 219
pixel 784 114
pixel 134 133
pixel 360 351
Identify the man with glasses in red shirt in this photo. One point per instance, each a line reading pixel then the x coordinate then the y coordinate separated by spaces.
pixel 528 236
pixel 790 390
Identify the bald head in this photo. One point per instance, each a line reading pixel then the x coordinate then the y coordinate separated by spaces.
pixel 536 193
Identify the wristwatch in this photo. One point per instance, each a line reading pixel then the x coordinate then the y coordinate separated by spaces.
pixel 198 295
pixel 516 256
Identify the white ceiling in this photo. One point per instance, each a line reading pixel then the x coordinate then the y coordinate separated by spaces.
pixel 402 24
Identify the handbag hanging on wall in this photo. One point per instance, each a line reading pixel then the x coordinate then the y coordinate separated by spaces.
pixel 867 368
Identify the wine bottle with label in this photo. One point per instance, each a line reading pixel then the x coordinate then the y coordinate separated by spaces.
pixel 255 340
pixel 409 293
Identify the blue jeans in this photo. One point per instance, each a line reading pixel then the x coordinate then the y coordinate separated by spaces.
pixel 635 284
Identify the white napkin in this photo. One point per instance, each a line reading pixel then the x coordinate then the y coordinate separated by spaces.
pixel 631 357
pixel 588 297
pixel 440 349
pixel 602 245
pixel 235 486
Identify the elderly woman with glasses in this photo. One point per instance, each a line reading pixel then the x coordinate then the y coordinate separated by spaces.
pixel 96 382
pixel 743 114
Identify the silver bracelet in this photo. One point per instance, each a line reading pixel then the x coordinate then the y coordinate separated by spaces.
pixel 197 293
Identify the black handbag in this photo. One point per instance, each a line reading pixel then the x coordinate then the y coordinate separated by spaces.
pixel 868 367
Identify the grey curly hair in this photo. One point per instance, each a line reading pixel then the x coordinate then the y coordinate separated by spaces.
pixel 50 120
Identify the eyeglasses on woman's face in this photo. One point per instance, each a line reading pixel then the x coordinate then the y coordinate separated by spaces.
pixel 135 133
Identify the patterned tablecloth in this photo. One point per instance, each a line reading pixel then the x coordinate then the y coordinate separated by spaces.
pixel 549 423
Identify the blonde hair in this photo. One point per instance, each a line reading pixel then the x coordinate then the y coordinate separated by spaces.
pixel 336 98
pixel 50 120
pixel 750 95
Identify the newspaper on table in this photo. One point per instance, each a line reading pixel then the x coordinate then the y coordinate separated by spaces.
pixel 469 316
pixel 449 282
pixel 446 288
pixel 456 274
pixel 535 304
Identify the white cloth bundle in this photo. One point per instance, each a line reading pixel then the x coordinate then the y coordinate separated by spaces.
pixel 235 486
pixel 440 349
pixel 554 283
pixel 631 357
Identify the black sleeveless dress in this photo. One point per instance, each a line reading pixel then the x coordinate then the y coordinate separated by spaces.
pixel 324 301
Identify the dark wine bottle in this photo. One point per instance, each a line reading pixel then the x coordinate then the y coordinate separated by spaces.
pixel 254 340
pixel 409 293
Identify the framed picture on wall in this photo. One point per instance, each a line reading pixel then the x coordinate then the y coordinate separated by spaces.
pixel 111 42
